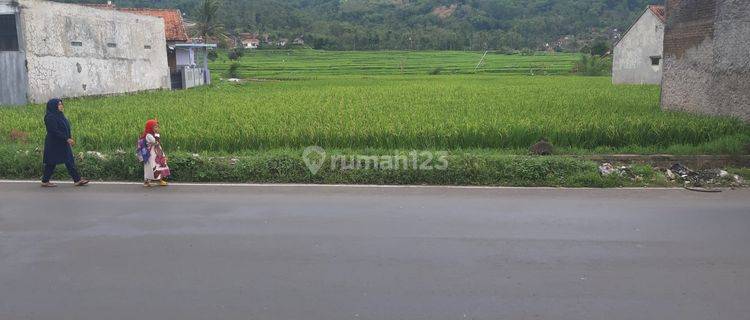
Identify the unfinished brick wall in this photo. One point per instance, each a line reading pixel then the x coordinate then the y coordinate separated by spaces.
pixel 707 57
pixel 689 28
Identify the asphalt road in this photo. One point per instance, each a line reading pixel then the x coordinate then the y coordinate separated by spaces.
pixel 207 252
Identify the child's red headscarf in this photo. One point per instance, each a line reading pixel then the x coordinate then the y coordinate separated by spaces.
pixel 150 124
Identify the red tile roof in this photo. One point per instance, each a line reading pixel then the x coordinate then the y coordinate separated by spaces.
pixel 174 29
pixel 659 12
pixel 99 5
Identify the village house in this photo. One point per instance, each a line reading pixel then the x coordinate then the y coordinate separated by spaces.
pixel 282 42
pixel 249 41
pixel 50 49
pixel 266 38
pixel 707 57
pixel 298 41
pixel 638 55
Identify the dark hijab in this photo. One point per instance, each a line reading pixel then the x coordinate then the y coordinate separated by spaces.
pixel 55 115
pixel 52 107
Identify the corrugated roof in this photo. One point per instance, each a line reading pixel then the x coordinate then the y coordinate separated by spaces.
pixel 659 12
pixel 174 29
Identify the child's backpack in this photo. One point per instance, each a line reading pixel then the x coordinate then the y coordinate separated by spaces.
pixel 141 150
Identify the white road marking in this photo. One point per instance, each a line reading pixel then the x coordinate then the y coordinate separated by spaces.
pixel 309 185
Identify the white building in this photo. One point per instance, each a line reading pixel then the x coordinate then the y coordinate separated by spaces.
pixel 250 43
pixel 50 49
pixel 638 55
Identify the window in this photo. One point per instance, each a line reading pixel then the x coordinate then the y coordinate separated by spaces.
pixel 76 44
pixel 655 60
pixel 112 45
pixel 147 47
pixel 8 33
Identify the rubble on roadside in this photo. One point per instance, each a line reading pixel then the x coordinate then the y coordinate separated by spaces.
pixel 94 154
pixel 702 178
pixel 607 169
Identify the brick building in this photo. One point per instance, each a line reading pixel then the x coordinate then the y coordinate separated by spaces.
pixel 707 57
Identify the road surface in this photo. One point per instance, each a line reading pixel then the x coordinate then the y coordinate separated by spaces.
pixel 285 252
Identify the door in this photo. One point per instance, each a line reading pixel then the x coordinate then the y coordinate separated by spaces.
pixel 13 76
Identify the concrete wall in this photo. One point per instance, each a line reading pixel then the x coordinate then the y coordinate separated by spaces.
pixel 192 77
pixel 707 57
pixel 112 57
pixel 632 55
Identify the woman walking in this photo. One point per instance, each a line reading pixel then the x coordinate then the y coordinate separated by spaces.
pixel 58 144
pixel 155 163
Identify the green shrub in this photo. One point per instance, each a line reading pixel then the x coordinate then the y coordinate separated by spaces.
pixel 593 66
pixel 600 48
pixel 287 166
pixel 235 54
pixel 528 52
pixel 212 55
pixel 233 71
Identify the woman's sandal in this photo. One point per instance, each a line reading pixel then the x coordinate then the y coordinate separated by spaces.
pixel 48 185
pixel 163 183
pixel 147 184
pixel 81 183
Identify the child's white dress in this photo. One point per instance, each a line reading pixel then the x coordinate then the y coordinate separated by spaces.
pixel 152 169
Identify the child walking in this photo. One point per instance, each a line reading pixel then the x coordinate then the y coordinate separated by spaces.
pixel 154 160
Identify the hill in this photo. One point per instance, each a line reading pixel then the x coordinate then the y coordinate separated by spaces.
pixel 423 24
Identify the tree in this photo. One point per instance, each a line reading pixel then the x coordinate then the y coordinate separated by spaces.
pixel 235 54
pixel 208 20
pixel 600 48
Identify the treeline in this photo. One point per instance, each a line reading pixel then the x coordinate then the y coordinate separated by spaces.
pixel 421 24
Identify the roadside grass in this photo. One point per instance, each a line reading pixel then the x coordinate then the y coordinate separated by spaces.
pixel 287 166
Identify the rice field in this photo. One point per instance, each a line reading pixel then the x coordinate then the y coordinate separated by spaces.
pixel 317 63
pixel 501 113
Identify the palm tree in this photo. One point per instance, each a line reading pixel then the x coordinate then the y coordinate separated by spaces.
pixel 208 21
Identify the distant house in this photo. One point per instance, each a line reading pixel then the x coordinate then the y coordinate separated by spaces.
pixel 181 53
pixel 282 42
pixel 298 41
pixel 50 49
pixel 707 57
pixel 266 38
pixel 638 55
pixel 249 41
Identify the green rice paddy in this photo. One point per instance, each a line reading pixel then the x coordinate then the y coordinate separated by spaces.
pixel 363 100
